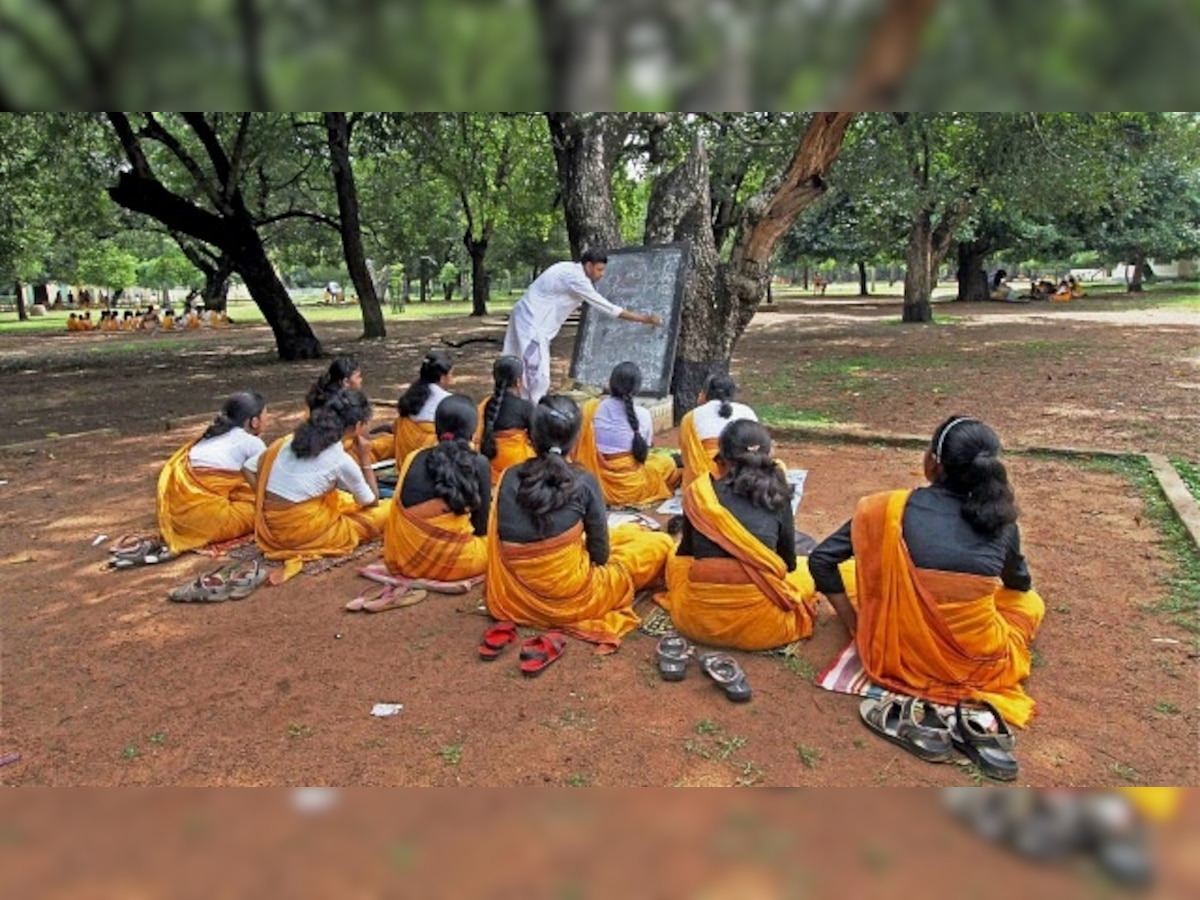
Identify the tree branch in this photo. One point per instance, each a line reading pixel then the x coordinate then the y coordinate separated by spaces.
pixel 888 56
pixel 251 20
pixel 155 131
pixel 208 137
pixel 40 55
pixel 130 143
pixel 145 194
pixel 239 148
pixel 299 214
pixel 98 73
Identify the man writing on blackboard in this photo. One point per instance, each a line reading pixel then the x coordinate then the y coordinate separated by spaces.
pixel 539 314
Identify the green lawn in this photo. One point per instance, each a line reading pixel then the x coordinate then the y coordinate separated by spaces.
pixel 246 312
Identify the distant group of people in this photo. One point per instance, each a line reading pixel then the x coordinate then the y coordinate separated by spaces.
pixel 148 320
pixel 1066 289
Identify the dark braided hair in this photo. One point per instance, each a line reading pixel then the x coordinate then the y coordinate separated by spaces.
pixel 625 381
pixel 330 380
pixel 436 365
pixel 548 482
pixel 969 453
pixel 343 409
pixel 451 462
pixel 753 473
pixel 239 409
pixel 719 386
pixel 506 373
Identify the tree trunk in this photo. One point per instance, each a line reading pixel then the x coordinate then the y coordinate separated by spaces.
pixel 337 128
pixel 1139 266
pixel 585 147
pixel 216 284
pixel 806 275
pixel 863 289
pixel 480 285
pixel 19 292
pixel 423 289
pixel 972 279
pixel 233 232
pixel 917 269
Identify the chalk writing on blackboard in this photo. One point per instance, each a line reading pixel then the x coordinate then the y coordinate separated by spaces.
pixel 646 280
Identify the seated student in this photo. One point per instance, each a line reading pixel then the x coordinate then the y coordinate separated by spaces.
pixel 733 581
pixel 1063 293
pixel 345 372
pixel 313 499
pixel 150 318
pixel 88 325
pixel 1076 288
pixel 203 496
pixel 1001 289
pixel 128 323
pixel 168 320
pixel 552 561
pixel 73 323
pixel 505 419
pixel 614 444
pixel 193 318
pixel 438 524
pixel 700 428
pixel 414 425
pixel 944 608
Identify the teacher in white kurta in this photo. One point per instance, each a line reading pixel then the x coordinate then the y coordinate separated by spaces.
pixel 539 314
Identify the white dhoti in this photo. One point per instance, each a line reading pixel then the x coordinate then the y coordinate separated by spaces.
pixel 535 356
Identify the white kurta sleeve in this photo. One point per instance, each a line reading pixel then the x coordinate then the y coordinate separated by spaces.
pixel 580 287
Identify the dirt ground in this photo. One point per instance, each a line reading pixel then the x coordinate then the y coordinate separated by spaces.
pixel 107 683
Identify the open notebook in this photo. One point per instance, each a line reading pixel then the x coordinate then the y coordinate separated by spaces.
pixel 795 477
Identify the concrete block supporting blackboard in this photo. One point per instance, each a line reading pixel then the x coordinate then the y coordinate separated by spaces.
pixel 641 279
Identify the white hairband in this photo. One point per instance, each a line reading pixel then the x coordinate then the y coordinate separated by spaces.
pixel 937 452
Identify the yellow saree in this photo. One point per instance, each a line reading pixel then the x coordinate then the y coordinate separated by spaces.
pixel 330 525
pixel 624 481
pixel 201 506
pixel 409 436
pixel 553 584
pixel 431 541
pixel 698 455
pixel 747 602
pixel 943 636
pixel 513 447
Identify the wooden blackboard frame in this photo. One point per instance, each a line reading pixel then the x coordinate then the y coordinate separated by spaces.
pixel 654 384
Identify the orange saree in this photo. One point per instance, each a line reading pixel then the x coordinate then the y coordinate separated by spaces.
pixel 201 506
pixel 624 481
pixel 698 455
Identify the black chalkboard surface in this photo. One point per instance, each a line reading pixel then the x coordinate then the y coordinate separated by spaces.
pixel 645 280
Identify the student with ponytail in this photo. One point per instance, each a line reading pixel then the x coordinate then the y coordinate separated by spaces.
pixel 734 579
pixel 700 428
pixel 439 515
pixel 312 498
pixel 938 595
pixel 505 419
pixel 614 444
pixel 345 372
pixel 414 425
pixel 203 496
pixel 552 561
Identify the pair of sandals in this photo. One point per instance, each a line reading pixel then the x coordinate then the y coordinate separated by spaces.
pixel 231 583
pixel 134 550
pixel 674 651
pixel 918 727
pixel 537 653
pixel 381 598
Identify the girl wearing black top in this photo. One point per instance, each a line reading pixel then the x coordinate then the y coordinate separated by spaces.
pixel 505 419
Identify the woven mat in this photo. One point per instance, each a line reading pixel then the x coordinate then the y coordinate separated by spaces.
pixel 247 550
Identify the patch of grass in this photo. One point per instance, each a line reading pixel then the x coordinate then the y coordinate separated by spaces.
pixel 727 746
pixel 158 738
pixel 749 775
pixel 451 754
pixel 1038 347
pixel 697 748
pixel 1125 773
pixel 707 726
pixel 976 775
pixel 299 731
pixel 1063 608
pixel 579 780
pixel 1036 660
pixel 1170 709
pixel 859 743
pixel 798 665
pixel 808 756
pixel 876 858
pixel 780 415
pixel 131 752
pixel 1181 606
pixel 1190 474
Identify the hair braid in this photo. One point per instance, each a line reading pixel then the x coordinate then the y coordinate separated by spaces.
pixel 491 412
pixel 638 448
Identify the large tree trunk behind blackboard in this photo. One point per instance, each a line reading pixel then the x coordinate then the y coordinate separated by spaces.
pixel 585 148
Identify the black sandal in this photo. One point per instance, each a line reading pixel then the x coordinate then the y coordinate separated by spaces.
pixel 727 672
pixel 673 653
pixel 990 751
pixel 895 719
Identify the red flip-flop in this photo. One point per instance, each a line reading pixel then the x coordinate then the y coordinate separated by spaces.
pixel 539 652
pixel 496 638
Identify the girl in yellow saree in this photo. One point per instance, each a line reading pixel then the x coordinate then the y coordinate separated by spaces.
pixel 416 407
pixel 614 445
pixel 734 579
pixel 938 597
pixel 700 428
pixel 552 561
pixel 505 419
pixel 345 372
pixel 439 515
pixel 203 495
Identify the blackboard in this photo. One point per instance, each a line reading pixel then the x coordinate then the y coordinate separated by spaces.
pixel 640 279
